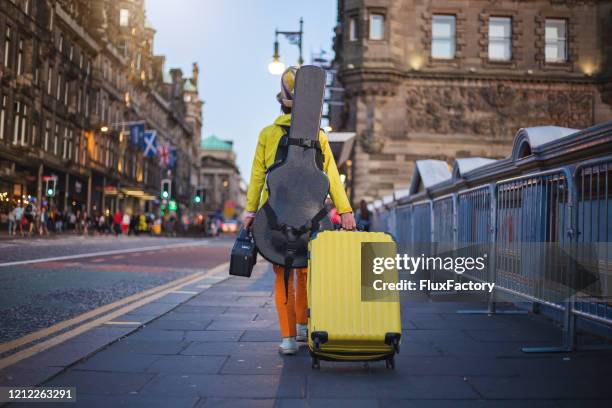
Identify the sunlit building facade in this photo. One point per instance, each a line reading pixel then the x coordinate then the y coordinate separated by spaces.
pixel 450 79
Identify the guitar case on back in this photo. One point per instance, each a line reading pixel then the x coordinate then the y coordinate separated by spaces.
pixel 297 186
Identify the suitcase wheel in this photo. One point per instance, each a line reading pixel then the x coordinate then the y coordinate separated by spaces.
pixel 316 365
pixel 390 363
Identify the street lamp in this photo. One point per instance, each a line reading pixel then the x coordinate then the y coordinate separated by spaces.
pixel 276 67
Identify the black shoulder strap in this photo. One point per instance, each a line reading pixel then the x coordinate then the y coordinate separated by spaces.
pixel 285 141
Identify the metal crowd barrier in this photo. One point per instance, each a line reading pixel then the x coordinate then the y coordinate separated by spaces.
pixel 593 181
pixel 520 217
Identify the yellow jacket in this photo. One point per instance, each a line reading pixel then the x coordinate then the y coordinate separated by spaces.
pixel 264 158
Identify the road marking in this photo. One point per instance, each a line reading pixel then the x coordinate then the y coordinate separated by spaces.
pixel 186 292
pixel 105 253
pixel 37 348
pixel 37 335
pixel 124 323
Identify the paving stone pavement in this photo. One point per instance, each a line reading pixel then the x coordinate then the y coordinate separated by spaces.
pixel 219 349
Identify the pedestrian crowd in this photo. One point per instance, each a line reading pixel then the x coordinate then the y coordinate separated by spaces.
pixel 27 220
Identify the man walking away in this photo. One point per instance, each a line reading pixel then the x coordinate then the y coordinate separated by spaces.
pixel 11 222
pixel 18 218
pixel 42 220
pixel 30 214
pixel 118 217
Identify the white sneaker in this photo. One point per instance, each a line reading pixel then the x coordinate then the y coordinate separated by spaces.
pixel 302 332
pixel 288 346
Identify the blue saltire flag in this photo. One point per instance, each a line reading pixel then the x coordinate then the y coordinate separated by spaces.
pixel 150 144
pixel 137 133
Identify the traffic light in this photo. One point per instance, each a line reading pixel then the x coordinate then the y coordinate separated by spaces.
pixel 200 196
pixel 50 187
pixel 166 189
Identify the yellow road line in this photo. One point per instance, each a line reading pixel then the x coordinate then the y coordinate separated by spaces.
pixel 37 348
pixel 4 347
pixel 29 338
pixel 107 253
pixel 124 323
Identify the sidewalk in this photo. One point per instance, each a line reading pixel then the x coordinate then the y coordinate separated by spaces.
pixel 220 349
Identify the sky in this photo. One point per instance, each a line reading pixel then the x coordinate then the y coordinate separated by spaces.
pixel 232 41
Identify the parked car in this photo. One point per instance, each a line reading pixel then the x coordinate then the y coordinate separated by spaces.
pixel 230 226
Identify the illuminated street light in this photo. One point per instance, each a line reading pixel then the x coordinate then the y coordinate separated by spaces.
pixel 104 129
pixel 276 67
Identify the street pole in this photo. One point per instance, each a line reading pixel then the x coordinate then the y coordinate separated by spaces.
pixel 276 67
pixel 39 186
pixel 89 183
pixel 301 60
pixel 103 204
pixel 66 187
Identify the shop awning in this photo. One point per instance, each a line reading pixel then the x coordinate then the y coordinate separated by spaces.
pixel 138 193
pixel 341 144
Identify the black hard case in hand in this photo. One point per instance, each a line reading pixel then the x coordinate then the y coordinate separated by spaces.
pixel 244 255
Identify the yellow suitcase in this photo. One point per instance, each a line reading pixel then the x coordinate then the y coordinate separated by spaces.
pixel 341 326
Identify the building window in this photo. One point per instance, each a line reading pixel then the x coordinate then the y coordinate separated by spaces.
pixel 61 43
pixel 34 140
pixel 352 28
pixel 103 110
pixel 377 26
pixel 556 40
pixel 83 153
pixel 58 91
pixel 47 131
pixel 65 143
pixel 500 38
pixel 49 80
pixel 23 129
pixel 16 111
pixel 56 139
pixel 2 117
pixel 7 46
pixel 70 144
pixel 20 57
pixel 443 37
pixel 124 17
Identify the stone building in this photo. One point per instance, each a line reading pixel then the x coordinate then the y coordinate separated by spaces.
pixel 448 78
pixel 219 176
pixel 74 75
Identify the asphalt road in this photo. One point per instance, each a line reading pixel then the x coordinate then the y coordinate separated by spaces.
pixel 37 295
pixel 36 248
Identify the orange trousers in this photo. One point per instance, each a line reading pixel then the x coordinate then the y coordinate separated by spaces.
pixel 294 309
